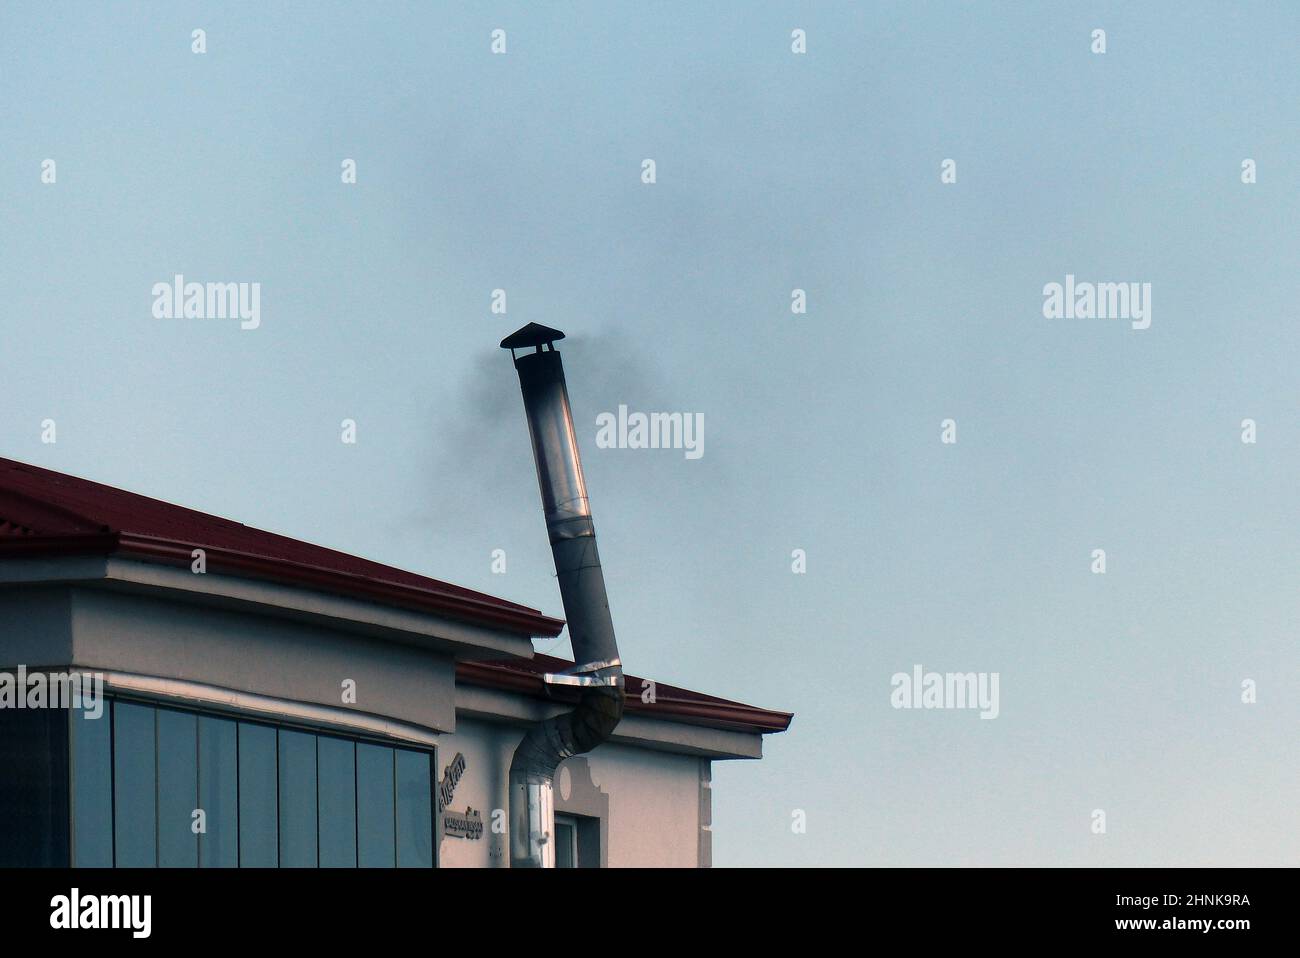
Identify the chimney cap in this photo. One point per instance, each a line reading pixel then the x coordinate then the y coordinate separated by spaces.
pixel 534 334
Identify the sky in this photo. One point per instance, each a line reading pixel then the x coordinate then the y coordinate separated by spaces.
pixel 1120 692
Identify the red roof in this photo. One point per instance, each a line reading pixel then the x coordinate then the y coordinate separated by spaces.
pixel 677 704
pixel 49 513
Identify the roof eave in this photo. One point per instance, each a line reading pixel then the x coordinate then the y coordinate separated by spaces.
pixel 720 714
pixel 172 552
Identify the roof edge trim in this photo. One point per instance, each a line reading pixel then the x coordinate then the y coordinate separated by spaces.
pixel 177 553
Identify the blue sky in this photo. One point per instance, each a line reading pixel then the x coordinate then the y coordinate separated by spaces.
pixel 775 171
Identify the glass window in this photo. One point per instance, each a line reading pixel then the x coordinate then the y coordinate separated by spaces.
pixel 376 838
pixel 414 810
pixel 135 786
pixel 178 788
pixel 92 789
pixel 258 812
pixel 269 796
pixel 219 792
pixel 34 813
pixel 297 799
pixel 337 776
pixel 566 842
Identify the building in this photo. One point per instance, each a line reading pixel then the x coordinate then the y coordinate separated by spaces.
pixel 267 702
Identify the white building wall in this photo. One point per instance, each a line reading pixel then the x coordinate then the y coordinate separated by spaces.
pixel 260 654
pixel 484 786
pixel 654 817
pixel 654 806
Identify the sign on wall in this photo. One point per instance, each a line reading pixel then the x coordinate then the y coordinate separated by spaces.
pixel 450 779
pixel 466 824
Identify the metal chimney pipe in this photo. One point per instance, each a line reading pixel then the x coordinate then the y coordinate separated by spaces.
pixel 597 670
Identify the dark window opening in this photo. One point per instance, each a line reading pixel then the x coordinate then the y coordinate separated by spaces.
pixel 577 841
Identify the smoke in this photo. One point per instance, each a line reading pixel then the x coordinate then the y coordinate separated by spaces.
pixel 604 369
pixel 484 481
pixel 481 457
